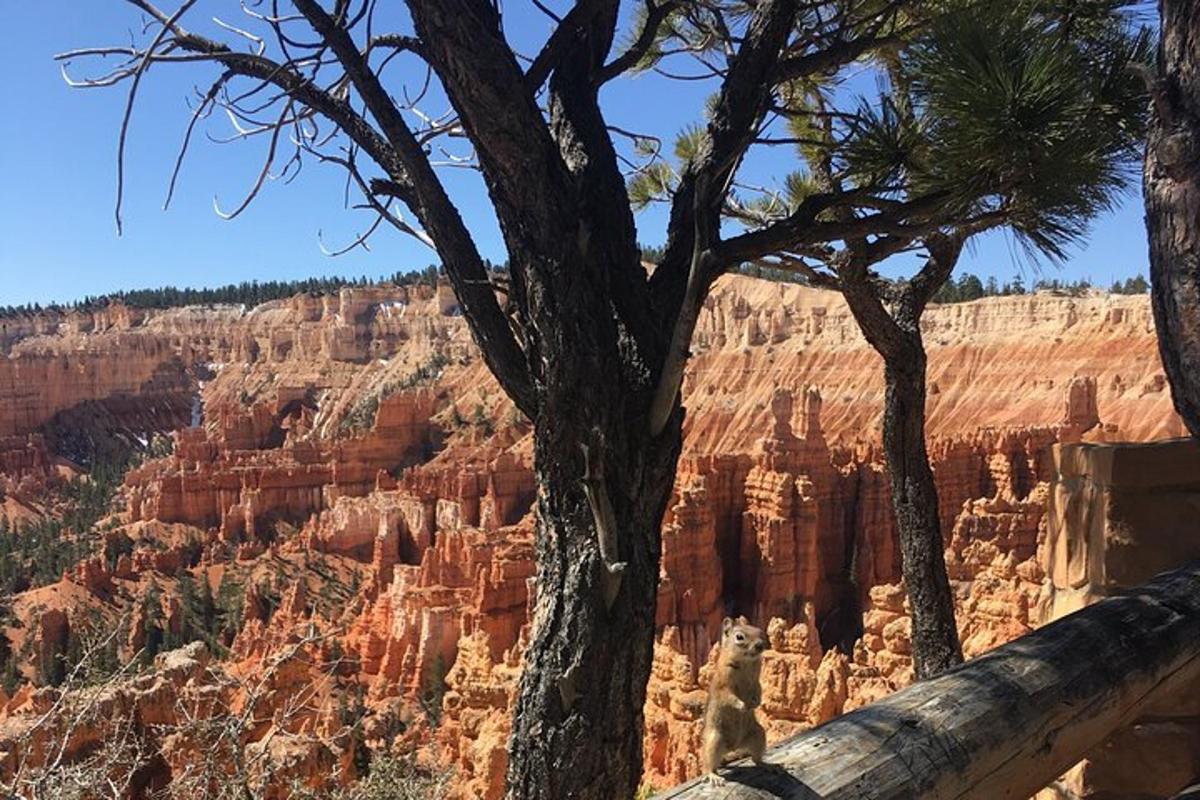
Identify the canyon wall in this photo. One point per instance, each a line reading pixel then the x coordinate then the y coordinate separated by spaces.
pixel 752 335
pixel 350 466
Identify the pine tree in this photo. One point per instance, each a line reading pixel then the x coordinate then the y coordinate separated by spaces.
pixel 8 666
pixel 152 617
pixel 73 653
pixel 229 608
pixel 51 669
pixel 11 677
pixel 185 585
pixel 206 611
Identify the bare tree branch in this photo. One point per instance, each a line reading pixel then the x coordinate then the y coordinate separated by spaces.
pixel 437 214
pixel 201 110
pixel 275 130
pixel 911 219
pixel 397 151
pixel 733 126
pixel 133 87
pixel 656 14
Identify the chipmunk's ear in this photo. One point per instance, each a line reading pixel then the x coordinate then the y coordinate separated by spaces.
pixel 742 621
pixel 726 625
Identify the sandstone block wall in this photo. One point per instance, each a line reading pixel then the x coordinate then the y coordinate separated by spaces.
pixel 1118 514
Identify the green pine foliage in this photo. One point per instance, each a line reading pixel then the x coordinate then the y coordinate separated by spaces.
pixel 1020 107
pixel 769 273
pixel 969 287
pixel 10 676
pixel 52 663
pixel 155 625
pixel 116 544
pixel 89 656
pixel 362 415
pixel 201 619
pixel 229 602
pixel 479 419
pixel 34 554
pixel 652 253
pixel 1023 115
pixel 434 691
pixel 1134 285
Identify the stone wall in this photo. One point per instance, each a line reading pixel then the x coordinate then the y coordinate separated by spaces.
pixel 1118 515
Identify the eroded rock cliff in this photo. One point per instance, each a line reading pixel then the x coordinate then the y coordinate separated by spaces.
pixel 345 474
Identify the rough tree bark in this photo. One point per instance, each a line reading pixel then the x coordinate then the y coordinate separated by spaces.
pixel 577 726
pixel 603 477
pixel 915 505
pixel 896 336
pixel 1172 194
pixel 607 427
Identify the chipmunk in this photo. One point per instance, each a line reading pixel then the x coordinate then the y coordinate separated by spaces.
pixel 730 727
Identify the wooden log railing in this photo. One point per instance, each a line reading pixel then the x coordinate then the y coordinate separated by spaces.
pixel 1001 726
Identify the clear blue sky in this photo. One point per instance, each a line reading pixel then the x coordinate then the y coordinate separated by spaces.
pixel 58 240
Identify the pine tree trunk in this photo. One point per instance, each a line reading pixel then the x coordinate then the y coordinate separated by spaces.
pixel 915 504
pixel 897 337
pixel 1172 194
pixel 577 729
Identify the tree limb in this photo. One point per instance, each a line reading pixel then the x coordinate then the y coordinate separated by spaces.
pixel 696 210
pixel 437 215
pixel 943 250
pixel 667 389
pixel 520 161
pixel 831 58
pixel 604 519
pixel 133 87
pixel 582 134
pixel 911 219
pixel 560 41
pixel 656 14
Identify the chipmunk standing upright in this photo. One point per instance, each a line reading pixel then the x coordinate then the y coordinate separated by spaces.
pixel 730 727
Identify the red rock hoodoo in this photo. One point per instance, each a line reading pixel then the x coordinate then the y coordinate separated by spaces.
pixel 346 465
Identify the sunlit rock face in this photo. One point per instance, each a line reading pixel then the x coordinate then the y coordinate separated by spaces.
pixel 347 465
pixel 1116 516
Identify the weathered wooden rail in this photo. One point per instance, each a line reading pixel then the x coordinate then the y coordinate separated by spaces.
pixel 1002 725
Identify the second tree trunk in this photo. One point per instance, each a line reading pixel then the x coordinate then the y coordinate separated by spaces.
pixel 915 504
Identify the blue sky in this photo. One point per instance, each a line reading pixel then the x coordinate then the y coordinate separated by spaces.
pixel 58 240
